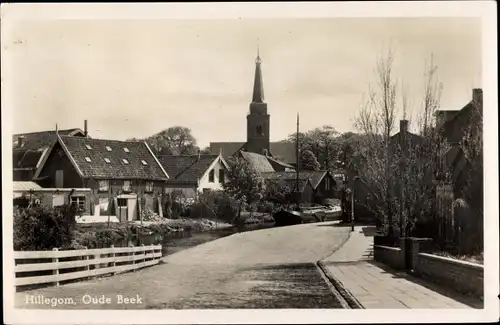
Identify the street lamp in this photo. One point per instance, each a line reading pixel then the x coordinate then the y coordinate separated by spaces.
pixel 354 179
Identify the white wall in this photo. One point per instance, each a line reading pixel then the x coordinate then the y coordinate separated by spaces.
pixel 216 185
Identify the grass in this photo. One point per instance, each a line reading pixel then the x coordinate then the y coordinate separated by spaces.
pixel 472 258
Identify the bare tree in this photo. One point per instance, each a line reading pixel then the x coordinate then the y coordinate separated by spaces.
pixel 376 119
pixel 399 170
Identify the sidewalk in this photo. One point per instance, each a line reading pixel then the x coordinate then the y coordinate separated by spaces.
pixel 374 285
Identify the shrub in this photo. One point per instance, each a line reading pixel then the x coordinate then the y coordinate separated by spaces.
pixel 42 228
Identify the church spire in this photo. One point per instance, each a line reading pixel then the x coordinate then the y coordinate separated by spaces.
pixel 258 87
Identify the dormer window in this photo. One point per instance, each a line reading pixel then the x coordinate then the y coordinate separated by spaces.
pixel 87 159
pixel 144 162
pixel 125 161
pixel 107 160
pixel 88 147
pixel 126 150
pixel 108 148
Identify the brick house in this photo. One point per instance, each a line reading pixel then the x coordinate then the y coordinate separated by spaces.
pixel 125 177
pixel 29 149
pixel 194 174
pixel 453 126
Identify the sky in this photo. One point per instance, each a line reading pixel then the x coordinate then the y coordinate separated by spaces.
pixel 133 78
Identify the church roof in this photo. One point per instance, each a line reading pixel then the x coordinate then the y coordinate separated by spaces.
pixel 258 86
pixel 227 149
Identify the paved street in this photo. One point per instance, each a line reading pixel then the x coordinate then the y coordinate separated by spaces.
pixel 375 285
pixel 270 268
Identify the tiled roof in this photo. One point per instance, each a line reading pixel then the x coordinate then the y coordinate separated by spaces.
pixel 25 186
pixel 186 168
pixel 26 158
pixel 284 151
pixel 314 176
pixel 257 162
pixel 287 178
pixel 43 139
pixel 279 162
pixel 113 151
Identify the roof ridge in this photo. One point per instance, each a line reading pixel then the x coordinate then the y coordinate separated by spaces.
pixel 191 165
pixel 46 131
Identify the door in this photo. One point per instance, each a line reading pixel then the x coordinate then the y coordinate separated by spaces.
pixel 132 206
pixel 122 210
pixel 59 178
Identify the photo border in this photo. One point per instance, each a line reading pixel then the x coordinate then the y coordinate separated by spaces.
pixel 486 10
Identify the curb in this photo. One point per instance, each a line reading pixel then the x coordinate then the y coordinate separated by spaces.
pixel 351 301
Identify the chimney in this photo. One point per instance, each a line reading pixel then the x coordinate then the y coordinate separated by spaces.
pixel 199 154
pixel 85 130
pixel 477 96
pixel 20 141
pixel 403 126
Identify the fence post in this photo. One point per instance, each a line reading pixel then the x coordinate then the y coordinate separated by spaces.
pixel 87 266
pixel 144 253
pixel 131 253
pixel 153 252
pixel 55 260
pixel 113 263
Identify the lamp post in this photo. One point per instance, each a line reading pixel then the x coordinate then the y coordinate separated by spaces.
pixel 354 179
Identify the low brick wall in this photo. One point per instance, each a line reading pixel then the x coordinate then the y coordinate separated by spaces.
pixel 391 256
pixel 462 276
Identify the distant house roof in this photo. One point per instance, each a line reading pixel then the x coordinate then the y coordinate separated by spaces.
pixel 285 151
pixel 279 162
pixel 257 162
pixel 26 159
pixel 413 138
pixel 25 186
pixel 287 179
pixel 111 159
pixel 29 153
pixel 187 168
pixel 282 151
pixel 315 177
pixel 42 139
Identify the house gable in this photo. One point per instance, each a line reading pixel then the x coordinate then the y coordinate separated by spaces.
pixel 58 161
pixel 217 165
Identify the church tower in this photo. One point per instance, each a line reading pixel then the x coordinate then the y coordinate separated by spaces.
pixel 258 120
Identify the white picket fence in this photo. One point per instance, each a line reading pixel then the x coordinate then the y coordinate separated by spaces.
pixel 95 262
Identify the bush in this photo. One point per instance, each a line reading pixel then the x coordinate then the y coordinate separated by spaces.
pixel 42 228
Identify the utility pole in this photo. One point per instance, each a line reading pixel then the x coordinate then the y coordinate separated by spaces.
pixel 297 169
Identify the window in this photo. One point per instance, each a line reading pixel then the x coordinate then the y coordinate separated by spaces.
pixel 107 160
pixel 88 147
pixel 125 161
pixel 221 176
pixel 144 162
pixel 109 148
pixel 103 185
pixel 126 149
pixel 87 159
pixel 327 183
pixel 127 186
pixel 79 202
pixel 259 130
pixel 211 176
pixel 103 206
pixel 149 187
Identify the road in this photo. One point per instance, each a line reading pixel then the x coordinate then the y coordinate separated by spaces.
pixel 269 268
